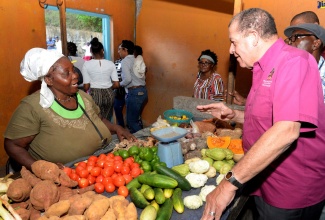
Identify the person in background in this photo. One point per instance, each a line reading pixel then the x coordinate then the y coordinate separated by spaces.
pixel 139 67
pixel 283 131
pixel 209 84
pixel 301 18
pixel 87 55
pixel 57 123
pixel 78 62
pixel 58 44
pixel 100 78
pixel 119 101
pixel 311 38
pixel 136 87
pixel 51 44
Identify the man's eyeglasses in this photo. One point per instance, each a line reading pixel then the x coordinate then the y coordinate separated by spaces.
pixel 205 63
pixel 294 37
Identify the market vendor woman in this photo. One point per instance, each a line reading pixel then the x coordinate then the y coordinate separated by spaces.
pixel 58 123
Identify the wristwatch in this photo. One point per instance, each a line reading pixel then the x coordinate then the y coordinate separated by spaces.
pixel 231 178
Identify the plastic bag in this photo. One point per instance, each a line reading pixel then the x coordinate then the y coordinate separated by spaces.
pixel 195 128
pixel 160 123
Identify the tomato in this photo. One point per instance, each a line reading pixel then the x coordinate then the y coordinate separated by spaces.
pixel 110 155
pixel 108 164
pixel 134 165
pixel 127 178
pixel 100 163
pixel 84 173
pixel 102 157
pixel 118 167
pixel 83 182
pixel 123 191
pixel 108 171
pixel 92 159
pixel 107 180
pixel 99 179
pixel 91 179
pixel 110 187
pixel 118 158
pixel 129 160
pixel 89 168
pixel 125 170
pixel 67 170
pixel 82 164
pixel 99 187
pixel 95 171
pixel 119 181
pixel 135 172
pixel 114 175
pixel 91 163
pixel 74 176
pixel 79 168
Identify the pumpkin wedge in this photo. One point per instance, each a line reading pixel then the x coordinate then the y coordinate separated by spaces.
pixel 218 142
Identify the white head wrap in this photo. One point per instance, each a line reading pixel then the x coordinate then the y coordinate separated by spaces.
pixel 35 65
pixel 207 57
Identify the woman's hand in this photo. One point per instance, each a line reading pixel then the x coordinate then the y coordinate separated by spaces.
pixel 218 110
pixel 123 133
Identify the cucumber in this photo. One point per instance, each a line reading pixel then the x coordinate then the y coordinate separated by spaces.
pixel 183 183
pixel 159 196
pixel 168 193
pixel 178 201
pixel 149 193
pixel 138 198
pixel 133 183
pixel 158 180
pixel 166 210
pixel 144 187
pixel 155 204
pixel 148 213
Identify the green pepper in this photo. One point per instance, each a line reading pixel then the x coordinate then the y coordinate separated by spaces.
pixel 134 150
pixel 155 160
pixel 154 150
pixel 146 154
pixel 145 165
pixel 116 153
pixel 159 163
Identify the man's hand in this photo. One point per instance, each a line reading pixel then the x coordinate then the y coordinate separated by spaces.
pixel 123 133
pixel 218 110
pixel 218 200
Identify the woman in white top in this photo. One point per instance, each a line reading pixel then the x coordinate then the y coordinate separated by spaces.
pixel 100 78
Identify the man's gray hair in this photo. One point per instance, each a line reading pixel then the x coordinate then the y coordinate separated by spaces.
pixel 255 19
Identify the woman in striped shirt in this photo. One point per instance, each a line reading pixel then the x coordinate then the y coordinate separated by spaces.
pixel 209 84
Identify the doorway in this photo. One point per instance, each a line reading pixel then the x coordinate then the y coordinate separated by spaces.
pixel 82 26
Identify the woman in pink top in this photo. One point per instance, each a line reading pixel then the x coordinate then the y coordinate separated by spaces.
pixel 208 84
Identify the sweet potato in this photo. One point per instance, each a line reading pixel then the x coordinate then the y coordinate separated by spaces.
pixel 119 207
pixel 97 209
pixel 29 176
pixel 79 206
pixel 44 194
pixel 19 190
pixel 58 209
pixel 34 214
pixel 109 215
pixel 131 212
pixel 46 170
pixel 74 217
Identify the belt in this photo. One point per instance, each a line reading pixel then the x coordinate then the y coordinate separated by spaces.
pixel 134 87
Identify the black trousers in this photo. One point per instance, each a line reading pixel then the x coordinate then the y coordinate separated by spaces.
pixel 268 212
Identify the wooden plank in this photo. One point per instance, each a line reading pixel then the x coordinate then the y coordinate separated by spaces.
pixel 62 9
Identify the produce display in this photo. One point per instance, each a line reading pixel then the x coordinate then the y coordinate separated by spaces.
pixel 128 183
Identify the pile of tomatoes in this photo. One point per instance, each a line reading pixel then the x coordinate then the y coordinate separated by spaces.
pixel 107 171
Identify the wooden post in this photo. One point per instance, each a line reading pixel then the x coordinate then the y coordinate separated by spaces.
pixel 233 62
pixel 63 26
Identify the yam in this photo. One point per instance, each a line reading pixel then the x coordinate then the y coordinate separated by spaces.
pixel 58 209
pixel 205 126
pixel 65 180
pixel 34 214
pixel 97 209
pixel 44 194
pixel 19 190
pixel 109 215
pixel 46 170
pixel 233 134
pixel 65 192
pixel 23 213
pixel 131 212
pixel 29 176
